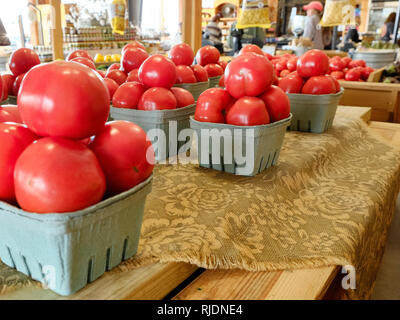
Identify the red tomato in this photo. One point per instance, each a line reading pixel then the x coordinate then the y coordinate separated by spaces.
pixel 248 111
pixel 335 82
pixel 181 54
pixel 346 61
pixel 337 75
pixel 291 64
pixel 157 98
pixel 281 65
pixel 22 60
pixel 206 55
pixel 184 74
pixel 133 76
pixel 85 62
pixel 345 70
pixel 4 89
pixel 117 75
pixel 63 176
pixel 319 85
pixel 183 97
pixel 357 63
pixel 112 86
pixel 132 58
pixel 200 73
pixel 251 48
pixel 101 73
pixel 284 73
pixel 9 81
pixel 223 64
pixel 336 65
pixel 17 84
pixel 114 66
pixel 73 103
pixel 353 75
pixel 364 73
pixel 158 71
pixel 221 82
pixel 248 75
pixel 268 56
pixel 291 83
pixel 125 154
pixel 10 113
pixel 133 44
pixel 14 139
pixel 128 95
pixel 79 53
pixel 277 103
pixel 214 70
pixel 212 104
pixel 313 63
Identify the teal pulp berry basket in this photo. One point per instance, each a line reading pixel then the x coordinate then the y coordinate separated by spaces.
pixel 196 89
pixel 222 147
pixel 313 113
pixel 214 82
pixel 169 123
pixel 67 251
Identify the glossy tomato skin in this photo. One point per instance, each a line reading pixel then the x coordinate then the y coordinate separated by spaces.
pixel 353 75
pixel 335 82
pixel 17 84
pixel 4 90
pixel 357 63
pixel 365 72
pixel 157 98
pixel 134 44
pixel 128 95
pixel 14 139
pixel 221 81
pixel 212 104
pixel 10 113
pixel 117 75
pixel 132 58
pixel 337 75
pixel 346 61
pixel 79 53
pixel 214 70
pixel 284 73
pixel 158 71
pixel 133 76
pixel 291 64
pixel 63 175
pixel 251 48
pixel 223 64
pixel 85 61
pixel 200 73
pixel 248 111
pixel 319 85
pixel 183 97
pixel 277 103
pixel 181 54
pixel 291 83
pixel 8 80
pixel 313 63
pixel 74 103
pixel 22 60
pixel 184 74
pixel 112 86
pixel 336 65
pixel 248 75
pixel 206 55
pixel 114 66
pixel 125 154
pixel 101 73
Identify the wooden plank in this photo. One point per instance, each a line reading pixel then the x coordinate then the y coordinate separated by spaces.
pixel 150 282
pixel 376 76
pixel 389 131
pixel 355 112
pixel 57 32
pixel 305 284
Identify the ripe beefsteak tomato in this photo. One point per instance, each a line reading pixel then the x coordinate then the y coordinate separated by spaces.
pixel 128 95
pixel 157 98
pixel 184 74
pixel 158 71
pixel 277 103
pixel 212 105
pixel 200 73
pixel 132 58
pixel 181 54
pixel 319 85
pixel 206 55
pixel 22 60
pixel 183 97
pixel 248 111
pixel 214 70
pixel 313 63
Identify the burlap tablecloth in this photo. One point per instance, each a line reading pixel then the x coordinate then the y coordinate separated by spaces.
pixel 328 202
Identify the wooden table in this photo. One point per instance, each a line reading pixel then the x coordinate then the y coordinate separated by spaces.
pixel 183 281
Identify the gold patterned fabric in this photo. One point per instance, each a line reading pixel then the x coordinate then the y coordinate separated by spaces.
pixel 329 201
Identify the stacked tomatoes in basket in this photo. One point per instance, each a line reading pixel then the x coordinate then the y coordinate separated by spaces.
pixel 249 98
pixel 311 75
pixel 65 157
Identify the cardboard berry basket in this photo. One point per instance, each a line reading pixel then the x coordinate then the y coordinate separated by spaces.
pixel 313 113
pixel 196 89
pixel 222 146
pixel 69 250
pixel 170 122
pixel 10 100
pixel 214 81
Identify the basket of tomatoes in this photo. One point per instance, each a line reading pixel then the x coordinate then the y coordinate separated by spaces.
pixel 240 129
pixel 72 193
pixel 314 94
pixel 209 58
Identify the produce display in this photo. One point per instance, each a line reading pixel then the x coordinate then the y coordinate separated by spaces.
pixel 391 73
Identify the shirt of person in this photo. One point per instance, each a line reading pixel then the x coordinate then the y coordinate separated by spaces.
pixel 312 30
pixel 214 32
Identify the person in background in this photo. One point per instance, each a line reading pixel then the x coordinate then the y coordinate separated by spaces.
pixel 388 27
pixel 312 29
pixel 213 32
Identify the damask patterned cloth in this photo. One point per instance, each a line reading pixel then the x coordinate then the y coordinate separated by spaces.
pixel 329 201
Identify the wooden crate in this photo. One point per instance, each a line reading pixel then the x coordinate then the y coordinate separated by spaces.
pixel 383 98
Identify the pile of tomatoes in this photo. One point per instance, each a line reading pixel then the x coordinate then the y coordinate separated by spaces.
pixel 58 154
pixel 249 98
pixel 348 69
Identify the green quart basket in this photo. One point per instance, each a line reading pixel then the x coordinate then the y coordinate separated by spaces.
pixel 170 124
pixel 67 251
pixel 313 113
pixel 222 147
pixel 214 81
pixel 196 89
pixel 10 100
